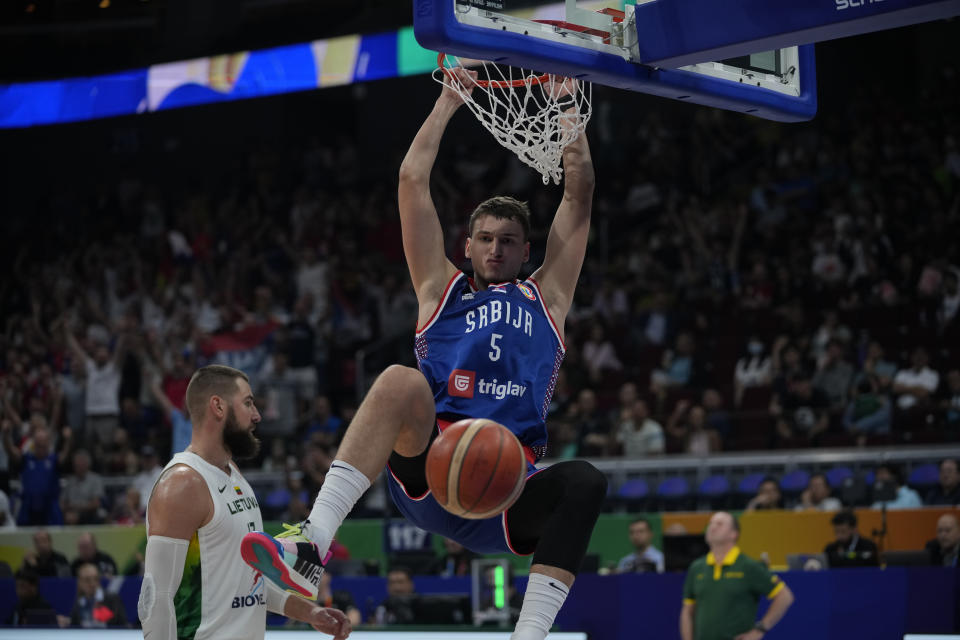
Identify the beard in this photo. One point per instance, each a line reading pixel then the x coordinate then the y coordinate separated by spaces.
pixel 241 443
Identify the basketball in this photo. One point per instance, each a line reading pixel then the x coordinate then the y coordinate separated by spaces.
pixel 476 468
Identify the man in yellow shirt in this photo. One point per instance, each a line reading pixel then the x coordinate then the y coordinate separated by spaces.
pixel 722 590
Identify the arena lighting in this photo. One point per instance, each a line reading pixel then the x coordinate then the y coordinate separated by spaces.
pixel 136 634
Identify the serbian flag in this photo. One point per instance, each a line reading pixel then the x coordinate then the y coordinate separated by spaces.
pixel 246 349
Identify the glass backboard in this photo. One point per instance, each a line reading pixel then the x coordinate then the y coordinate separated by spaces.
pixel 598 42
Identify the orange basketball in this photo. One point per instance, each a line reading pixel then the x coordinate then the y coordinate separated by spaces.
pixel 476 468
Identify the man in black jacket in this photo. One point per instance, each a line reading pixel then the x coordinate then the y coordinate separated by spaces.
pixel 32 609
pixel 849 549
pixel 945 548
pixel 95 607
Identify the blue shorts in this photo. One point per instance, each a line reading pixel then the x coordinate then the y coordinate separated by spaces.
pixel 480 536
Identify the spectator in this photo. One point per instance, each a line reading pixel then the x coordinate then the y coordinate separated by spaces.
pixel 947 490
pixel 848 549
pixel 32 609
pixel 87 552
pixel 768 496
pixel 801 413
pixel 753 369
pixel 868 411
pixel 94 607
pixel 39 475
pixel 626 395
pixel 906 498
pixel 83 493
pixel 278 388
pixel 833 375
pixel 600 354
pixel 103 374
pixel 340 599
pixel 150 471
pixel 44 560
pixel 950 404
pixel 645 556
pixel 398 607
pixel 678 367
pixel 717 607
pixel 817 496
pixel 914 386
pixel 717 417
pixel 7 521
pixel 949 301
pixel 831 329
pixel 129 510
pixel 593 430
pixel 639 434
pixel 322 420
pixel 180 425
pixel 876 368
pixel 688 424
pixel 456 559
pixel 301 348
pixel 944 549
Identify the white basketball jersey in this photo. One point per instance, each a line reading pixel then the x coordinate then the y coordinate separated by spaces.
pixel 220 595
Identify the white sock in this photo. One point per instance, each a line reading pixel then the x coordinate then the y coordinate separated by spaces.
pixel 541 603
pixel 341 489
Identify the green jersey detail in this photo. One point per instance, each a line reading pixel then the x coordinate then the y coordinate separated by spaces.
pixel 188 600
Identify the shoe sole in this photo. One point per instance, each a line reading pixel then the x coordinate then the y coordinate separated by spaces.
pixel 264 554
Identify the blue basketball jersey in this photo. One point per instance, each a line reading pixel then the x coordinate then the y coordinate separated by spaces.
pixel 493 354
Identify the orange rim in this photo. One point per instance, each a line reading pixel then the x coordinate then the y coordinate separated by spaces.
pixel 499 84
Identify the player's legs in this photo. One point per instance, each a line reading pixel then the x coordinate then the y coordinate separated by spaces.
pixel 397 413
pixel 554 517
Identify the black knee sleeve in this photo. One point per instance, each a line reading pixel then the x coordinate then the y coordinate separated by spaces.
pixel 556 513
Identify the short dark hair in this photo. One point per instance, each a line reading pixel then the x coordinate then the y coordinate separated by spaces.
pixel 769 479
pixel 639 520
pixel 735 522
pixel 894 470
pixel 819 474
pixel 501 207
pixel 844 517
pixel 212 380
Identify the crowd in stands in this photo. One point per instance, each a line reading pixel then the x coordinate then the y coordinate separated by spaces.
pixel 748 286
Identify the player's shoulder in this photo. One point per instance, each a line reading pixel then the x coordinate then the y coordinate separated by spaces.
pixel 180 503
pixel 178 481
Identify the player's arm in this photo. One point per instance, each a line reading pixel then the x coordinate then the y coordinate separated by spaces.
pixel 325 620
pixel 430 270
pixel 180 504
pixel 686 620
pixel 567 240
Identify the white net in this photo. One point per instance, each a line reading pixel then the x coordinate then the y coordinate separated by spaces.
pixel 534 116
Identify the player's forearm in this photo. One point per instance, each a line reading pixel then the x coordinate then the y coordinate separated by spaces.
pixel 578 170
pixel 418 163
pixel 296 608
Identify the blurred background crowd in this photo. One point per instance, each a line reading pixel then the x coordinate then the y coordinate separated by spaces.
pixel 748 286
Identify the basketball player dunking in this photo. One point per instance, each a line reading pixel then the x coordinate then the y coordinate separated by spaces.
pixel 488 346
pixel 194 586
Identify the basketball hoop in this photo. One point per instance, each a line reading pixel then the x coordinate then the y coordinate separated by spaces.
pixel 533 115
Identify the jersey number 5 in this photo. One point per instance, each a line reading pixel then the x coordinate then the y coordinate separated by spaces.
pixel 494 349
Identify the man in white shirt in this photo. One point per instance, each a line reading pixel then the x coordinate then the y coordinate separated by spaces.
pixel 7 521
pixel 645 557
pixel 914 386
pixel 817 496
pixel 103 374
